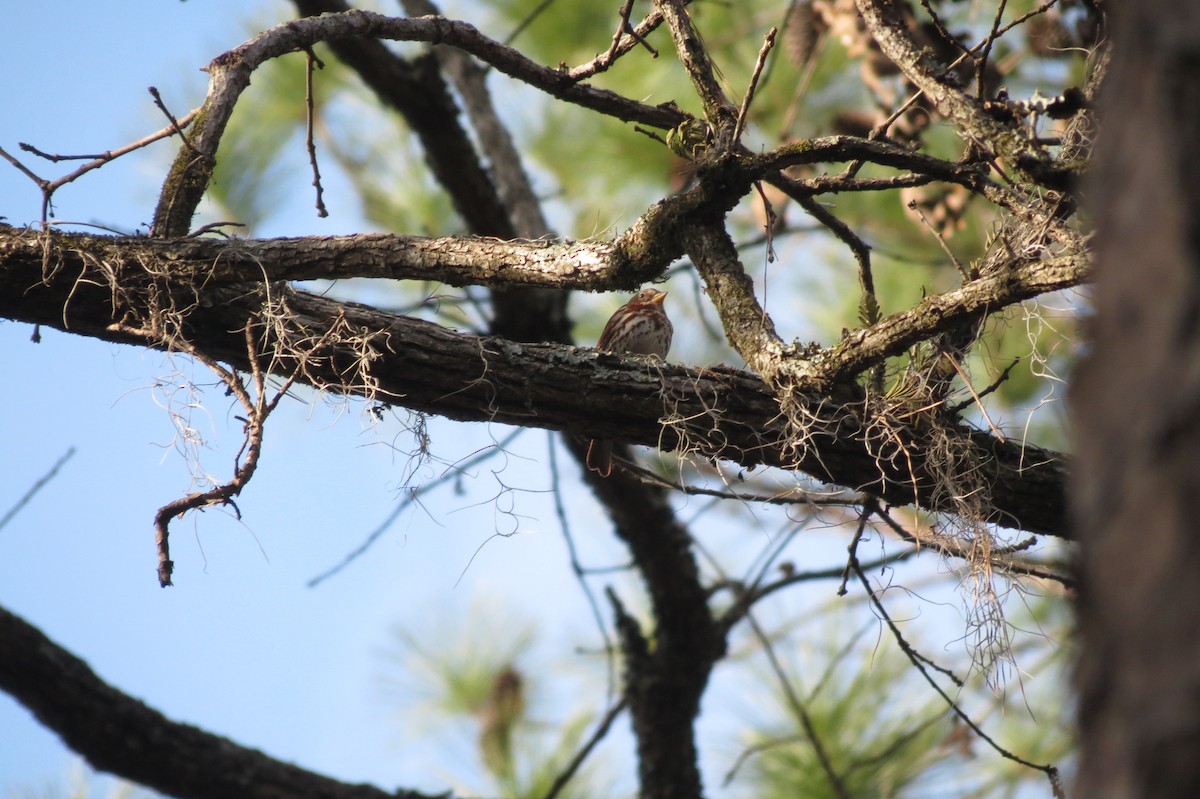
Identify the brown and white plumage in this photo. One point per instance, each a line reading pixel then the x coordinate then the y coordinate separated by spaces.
pixel 639 327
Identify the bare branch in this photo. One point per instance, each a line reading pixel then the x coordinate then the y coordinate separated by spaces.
pixel 1008 141
pixel 718 110
pixel 173 758
pixel 427 368
pixel 229 75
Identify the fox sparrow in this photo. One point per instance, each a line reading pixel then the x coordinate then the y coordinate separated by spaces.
pixel 639 327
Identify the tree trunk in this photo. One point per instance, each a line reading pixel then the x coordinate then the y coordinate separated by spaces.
pixel 1137 406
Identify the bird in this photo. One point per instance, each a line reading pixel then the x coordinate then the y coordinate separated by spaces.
pixel 639 327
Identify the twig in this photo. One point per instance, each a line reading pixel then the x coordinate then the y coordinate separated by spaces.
pixel 211 226
pixel 869 305
pixel 852 548
pixel 37 486
pixel 257 410
pixel 580 573
pixel 806 722
pixel 49 187
pixel 768 230
pixel 919 660
pixel 619 47
pixel 955 550
pixel 768 43
pixel 751 751
pixel 995 384
pixel 41 182
pixel 962 270
pixel 993 34
pixel 526 21
pixel 312 60
pixel 750 597
pixel 622 28
pixel 567 773
pixel 978 400
pixel 175 126
pixel 29 148
pixel 414 494
pixel 942 32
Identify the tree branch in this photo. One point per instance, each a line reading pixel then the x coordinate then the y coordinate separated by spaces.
pixel 719 412
pixel 1007 140
pixel 116 733
pixel 229 75
pixel 455 261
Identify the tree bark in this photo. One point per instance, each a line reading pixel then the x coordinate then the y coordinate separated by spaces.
pixel 1136 403
pixel 719 413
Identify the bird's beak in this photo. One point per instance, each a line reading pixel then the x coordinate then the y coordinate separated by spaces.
pixel 662 295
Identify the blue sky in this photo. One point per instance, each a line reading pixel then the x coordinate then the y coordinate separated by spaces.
pixel 240 646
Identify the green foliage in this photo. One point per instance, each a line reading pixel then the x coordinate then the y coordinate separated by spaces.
pixel 474 674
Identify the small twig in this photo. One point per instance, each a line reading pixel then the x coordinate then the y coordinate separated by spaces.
pixel 414 494
pixel 175 126
pixel 962 270
pixel 567 773
pixel 751 751
pixel 48 187
pixel 768 229
pixel 942 32
pixel 806 722
pixel 41 182
pixel 768 43
pixel 879 130
pixel 637 35
pixel 257 408
pixel 29 148
pixel 36 487
pixel 312 61
pixel 995 384
pixel 651 134
pixel 751 596
pixel 625 10
pixel 978 400
pixel 527 21
pixel 919 662
pixel 852 548
pixel 580 573
pixel 869 305
pixel 953 549
pixel 211 226
pixel 993 34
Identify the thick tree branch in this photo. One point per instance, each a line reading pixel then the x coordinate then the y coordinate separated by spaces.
pixel 590 266
pixel 664 684
pixel 455 261
pixel 119 734
pixel 715 413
